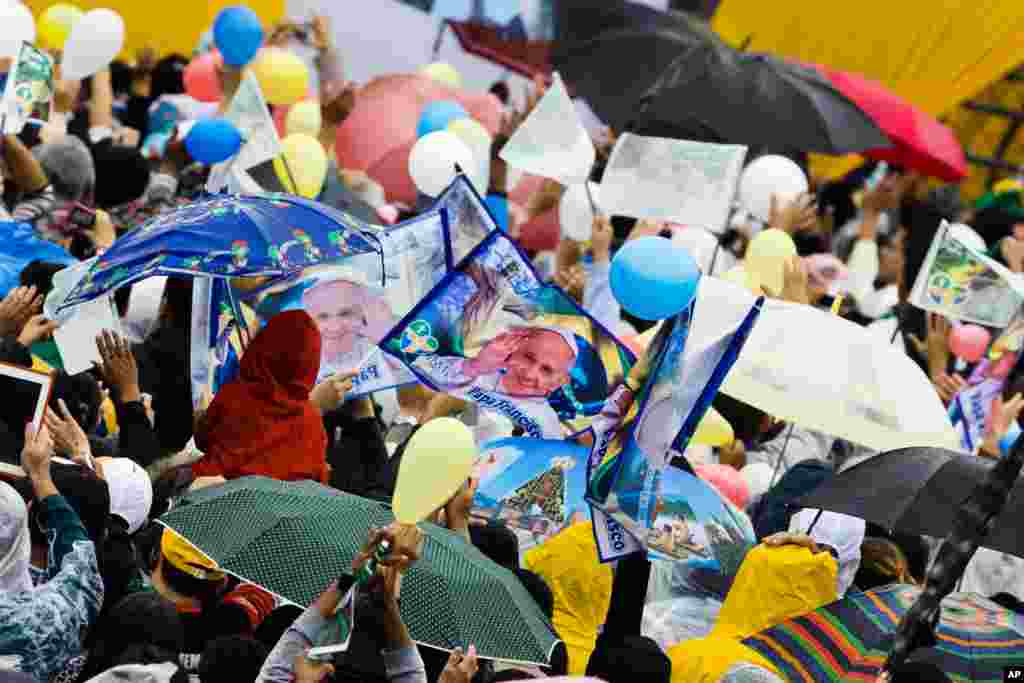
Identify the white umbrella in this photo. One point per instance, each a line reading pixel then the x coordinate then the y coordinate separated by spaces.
pixel 814 369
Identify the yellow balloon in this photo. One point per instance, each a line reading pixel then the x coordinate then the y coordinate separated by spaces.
pixel 479 142
pixel 283 77
pixel 738 275
pixel 442 72
pixel 304 117
pixel 55 24
pixel 304 159
pixel 713 430
pixel 767 256
pixel 438 460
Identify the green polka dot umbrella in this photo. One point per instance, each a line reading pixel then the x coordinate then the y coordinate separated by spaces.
pixel 294 538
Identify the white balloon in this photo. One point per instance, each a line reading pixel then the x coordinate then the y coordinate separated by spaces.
pixel 766 176
pixel 432 161
pixel 575 214
pixel 93 44
pixel 967 235
pixel 18 27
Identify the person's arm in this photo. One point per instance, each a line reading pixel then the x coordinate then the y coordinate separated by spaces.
pixel 330 68
pixel 1002 421
pixel 101 107
pixel 137 439
pixel 26 173
pixel 598 299
pixel 279 666
pixel 863 269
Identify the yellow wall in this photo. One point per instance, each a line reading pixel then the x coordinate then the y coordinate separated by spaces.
pixel 168 25
pixel 935 53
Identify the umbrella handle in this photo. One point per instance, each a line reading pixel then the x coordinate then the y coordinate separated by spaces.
pixel 368 570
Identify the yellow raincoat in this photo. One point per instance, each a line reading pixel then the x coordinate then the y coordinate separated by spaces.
pixel 582 588
pixel 773 584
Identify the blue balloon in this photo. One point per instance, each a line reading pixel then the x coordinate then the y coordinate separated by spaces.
pixel 437 115
pixel 654 279
pixel 238 35
pixel 212 141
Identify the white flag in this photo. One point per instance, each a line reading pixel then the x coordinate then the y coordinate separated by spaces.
pixel 552 141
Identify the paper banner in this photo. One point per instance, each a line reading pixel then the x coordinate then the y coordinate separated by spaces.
pixel 28 91
pixel 469 221
pixel 492 333
pixel 552 141
pixel 636 437
pixel 249 113
pixel 690 183
pixel 963 284
pixel 356 303
pixel 971 408
pixel 535 486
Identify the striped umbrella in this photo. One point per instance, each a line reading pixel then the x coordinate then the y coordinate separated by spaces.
pixel 848 640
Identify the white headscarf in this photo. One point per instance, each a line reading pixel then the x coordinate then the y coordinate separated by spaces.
pixel 131 491
pixel 843 533
pixel 15 544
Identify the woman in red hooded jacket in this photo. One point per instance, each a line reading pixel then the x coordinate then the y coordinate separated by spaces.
pixel 263 422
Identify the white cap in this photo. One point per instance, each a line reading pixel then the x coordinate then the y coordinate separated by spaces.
pixel 131 491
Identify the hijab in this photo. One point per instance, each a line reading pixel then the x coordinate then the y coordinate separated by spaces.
pixel 15 543
pixel 263 423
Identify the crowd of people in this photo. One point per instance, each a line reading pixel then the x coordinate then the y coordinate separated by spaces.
pixel 92 588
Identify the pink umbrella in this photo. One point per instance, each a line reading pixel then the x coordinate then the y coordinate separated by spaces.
pixel 384 120
pixel 392 172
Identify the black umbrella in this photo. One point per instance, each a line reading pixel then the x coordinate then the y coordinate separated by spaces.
pixel 920 491
pixel 669 75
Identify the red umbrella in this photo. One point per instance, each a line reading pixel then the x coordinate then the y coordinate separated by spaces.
pixel 529 58
pixel 920 142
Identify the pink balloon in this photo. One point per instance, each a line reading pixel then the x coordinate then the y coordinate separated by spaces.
pixel 969 342
pixel 392 172
pixel 727 481
pixel 542 233
pixel 201 78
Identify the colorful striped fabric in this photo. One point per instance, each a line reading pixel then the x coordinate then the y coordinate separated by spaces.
pixel 848 640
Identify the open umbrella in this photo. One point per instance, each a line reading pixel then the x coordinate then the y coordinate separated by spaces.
pixel 528 58
pixel 919 141
pixel 919 491
pixel 806 366
pixel 293 538
pixel 689 84
pixel 848 640
pixel 228 236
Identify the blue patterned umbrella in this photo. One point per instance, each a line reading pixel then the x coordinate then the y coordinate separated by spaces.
pixel 228 236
